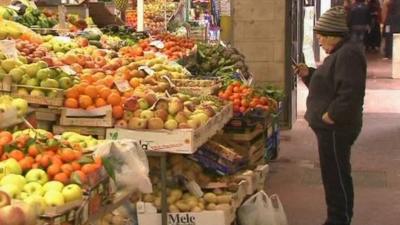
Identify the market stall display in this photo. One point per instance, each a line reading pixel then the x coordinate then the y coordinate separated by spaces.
pixel 181 117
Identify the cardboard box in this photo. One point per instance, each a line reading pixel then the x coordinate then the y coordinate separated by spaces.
pixel 182 141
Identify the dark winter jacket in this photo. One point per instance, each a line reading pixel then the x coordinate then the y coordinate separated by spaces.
pixel 338 87
pixel 359 15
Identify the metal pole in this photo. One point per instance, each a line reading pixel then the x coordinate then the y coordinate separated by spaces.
pixel 164 204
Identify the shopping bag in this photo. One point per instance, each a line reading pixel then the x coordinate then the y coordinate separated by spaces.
pixel 257 210
pixel 279 212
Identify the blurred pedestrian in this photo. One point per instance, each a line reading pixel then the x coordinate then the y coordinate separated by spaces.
pixel 373 38
pixel 359 20
pixel 391 22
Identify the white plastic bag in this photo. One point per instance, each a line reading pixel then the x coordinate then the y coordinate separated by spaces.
pixel 132 170
pixel 280 215
pixel 257 210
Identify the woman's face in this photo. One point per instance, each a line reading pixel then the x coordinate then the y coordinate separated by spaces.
pixel 328 43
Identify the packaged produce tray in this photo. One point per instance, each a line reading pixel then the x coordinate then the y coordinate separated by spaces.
pixel 98 132
pixel 57 100
pixel 197 87
pixel 99 117
pixel 5 84
pixel 182 141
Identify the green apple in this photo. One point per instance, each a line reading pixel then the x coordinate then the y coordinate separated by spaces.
pixel 16 74
pixel 43 74
pixel 33 82
pixel 37 93
pixel 13 167
pixel 17 180
pixel 143 104
pixel 72 192
pixel 49 83
pixel 42 64
pixel 52 94
pixel 65 82
pixel 11 189
pixel 53 186
pixel 9 64
pixel 21 105
pixel 34 188
pixel 32 69
pixel 37 202
pixel 54 198
pixel 23 195
pixel 37 175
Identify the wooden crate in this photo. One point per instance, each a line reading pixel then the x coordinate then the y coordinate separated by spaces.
pixel 5 84
pixel 40 100
pixel 199 33
pixel 183 141
pixel 100 117
pixel 47 114
pixel 69 213
pixel 97 132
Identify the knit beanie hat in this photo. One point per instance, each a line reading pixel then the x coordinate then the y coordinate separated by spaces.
pixel 333 22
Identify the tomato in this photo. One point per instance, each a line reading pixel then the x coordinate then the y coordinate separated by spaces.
pixel 225 96
pixel 220 94
pixel 236 95
pixel 236 108
pixel 236 89
pixel 264 100
pixel 231 98
pixel 243 109
pixel 236 101
pixel 5 137
pixel 236 84
pixel 253 104
pixel 228 92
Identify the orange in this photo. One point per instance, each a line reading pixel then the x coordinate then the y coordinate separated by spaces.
pixel 117 112
pixel 62 177
pixel 85 101
pixel 25 164
pixel 17 155
pixel 89 168
pixel 109 81
pixel 98 161
pixel 134 82
pixel 104 92
pixel 81 87
pixel 53 170
pixel 82 176
pixel 114 99
pixel 67 169
pixel 67 155
pixel 77 68
pixel 33 150
pixel 72 92
pixel 91 107
pixel 71 103
pixel 45 161
pixel 91 91
pixel 35 166
pixel 76 166
pixel 56 160
pixel 77 153
pixel 99 102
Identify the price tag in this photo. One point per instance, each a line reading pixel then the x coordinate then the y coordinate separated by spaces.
pixel 147 70
pixel 9 48
pixel 15 7
pixel 63 38
pixel 123 85
pixel 222 44
pixel 158 44
pixel 68 70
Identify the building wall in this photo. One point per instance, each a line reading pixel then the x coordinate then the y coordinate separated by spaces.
pixel 259 33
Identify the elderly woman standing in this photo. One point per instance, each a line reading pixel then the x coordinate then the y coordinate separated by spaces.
pixel 334 110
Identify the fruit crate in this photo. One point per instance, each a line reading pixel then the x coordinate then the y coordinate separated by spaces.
pixel 100 117
pixel 5 84
pixel 51 114
pixel 182 141
pixel 199 34
pixel 197 87
pixel 69 213
pixel 97 132
pixel 56 100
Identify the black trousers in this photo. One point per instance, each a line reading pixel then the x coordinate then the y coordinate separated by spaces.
pixel 334 152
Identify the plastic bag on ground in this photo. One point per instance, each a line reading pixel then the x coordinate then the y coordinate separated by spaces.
pixel 257 210
pixel 280 215
pixel 130 164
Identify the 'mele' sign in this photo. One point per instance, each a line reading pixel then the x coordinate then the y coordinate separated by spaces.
pixel 181 219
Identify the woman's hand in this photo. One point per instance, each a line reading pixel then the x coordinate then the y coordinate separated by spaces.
pixel 301 70
pixel 327 119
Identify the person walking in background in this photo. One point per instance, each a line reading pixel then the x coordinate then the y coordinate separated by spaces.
pixel 359 20
pixel 391 22
pixel 373 38
pixel 334 110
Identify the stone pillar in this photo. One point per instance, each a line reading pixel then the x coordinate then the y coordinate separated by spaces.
pixel 396 56
pixel 259 33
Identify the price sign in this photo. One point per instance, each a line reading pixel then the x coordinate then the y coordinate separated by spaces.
pixel 158 44
pixel 68 70
pixel 147 70
pixel 194 188
pixel 122 85
pixel 9 48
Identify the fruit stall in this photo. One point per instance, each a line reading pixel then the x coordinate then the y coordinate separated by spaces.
pixel 111 125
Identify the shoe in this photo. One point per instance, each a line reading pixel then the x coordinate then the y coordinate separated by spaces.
pixel 386 58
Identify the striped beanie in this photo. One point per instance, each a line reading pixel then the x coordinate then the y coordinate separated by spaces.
pixel 333 22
